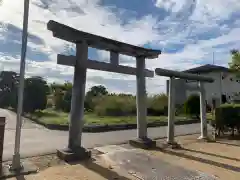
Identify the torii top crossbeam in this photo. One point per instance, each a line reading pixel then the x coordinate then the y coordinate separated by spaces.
pixel 70 34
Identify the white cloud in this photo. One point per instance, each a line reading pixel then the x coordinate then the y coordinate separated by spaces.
pixel 188 23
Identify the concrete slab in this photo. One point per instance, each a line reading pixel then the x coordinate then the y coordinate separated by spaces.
pixel 27 168
pixel 143 166
pixel 110 149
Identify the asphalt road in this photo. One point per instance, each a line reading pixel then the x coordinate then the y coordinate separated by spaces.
pixel 36 140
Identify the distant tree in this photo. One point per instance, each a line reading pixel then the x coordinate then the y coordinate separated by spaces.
pixel 97 90
pixel 35 94
pixel 235 61
pixel 58 99
pixel 63 87
pixel 66 103
pixel 192 106
pixel 94 92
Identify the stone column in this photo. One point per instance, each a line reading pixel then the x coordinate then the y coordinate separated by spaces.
pixel 203 111
pixel 141 99
pixel 78 95
pixel 171 111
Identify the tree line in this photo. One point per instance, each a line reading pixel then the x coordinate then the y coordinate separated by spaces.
pixel 38 95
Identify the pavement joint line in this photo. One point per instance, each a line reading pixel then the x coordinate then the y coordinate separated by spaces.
pixel 52 152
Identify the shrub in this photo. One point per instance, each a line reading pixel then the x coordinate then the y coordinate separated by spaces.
pixel 227 116
pixel 192 106
pixel 158 105
pixel 58 99
pixel 66 103
pixel 113 105
pixel 50 103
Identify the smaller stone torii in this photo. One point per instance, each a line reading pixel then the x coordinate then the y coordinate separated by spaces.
pixel 171 99
pixel 80 62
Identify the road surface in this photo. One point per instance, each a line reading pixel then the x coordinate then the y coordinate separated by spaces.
pixel 36 139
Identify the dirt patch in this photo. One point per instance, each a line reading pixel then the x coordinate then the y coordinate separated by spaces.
pixel 219 159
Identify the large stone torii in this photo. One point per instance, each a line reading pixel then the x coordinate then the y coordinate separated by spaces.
pixel 80 62
pixel 171 99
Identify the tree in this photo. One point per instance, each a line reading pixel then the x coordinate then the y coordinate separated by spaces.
pixel 58 99
pixel 8 89
pixel 192 106
pixel 66 103
pixel 235 61
pixel 97 90
pixel 94 92
pixel 35 94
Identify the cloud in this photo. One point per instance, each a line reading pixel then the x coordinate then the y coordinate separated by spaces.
pixel 188 32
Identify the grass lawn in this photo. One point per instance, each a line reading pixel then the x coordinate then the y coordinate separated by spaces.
pixel 50 116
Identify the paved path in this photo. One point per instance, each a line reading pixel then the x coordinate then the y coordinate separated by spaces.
pixel 36 139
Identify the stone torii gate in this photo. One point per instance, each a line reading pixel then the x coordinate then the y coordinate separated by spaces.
pixel 80 62
pixel 171 99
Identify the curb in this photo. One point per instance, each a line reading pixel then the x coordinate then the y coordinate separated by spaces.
pixel 107 128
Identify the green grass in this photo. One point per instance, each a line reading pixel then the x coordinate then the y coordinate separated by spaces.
pixel 50 116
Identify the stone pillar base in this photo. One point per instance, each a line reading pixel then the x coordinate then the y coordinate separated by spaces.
pixel 77 154
pixel 143 143
pixel 205 139
pixel 173 145
pixel 26 169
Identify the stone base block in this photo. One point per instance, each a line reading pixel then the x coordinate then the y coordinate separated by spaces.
pixel 77 154
pixel 205 139
pixel 173 145
pixel 26 169
pixel 143 143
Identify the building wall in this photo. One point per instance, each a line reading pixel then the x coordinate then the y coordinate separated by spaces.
pixel 213 90
pixel 229 86
pixel 180 90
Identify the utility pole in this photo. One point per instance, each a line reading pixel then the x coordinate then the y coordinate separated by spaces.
pixel 213 58
pixel 16 164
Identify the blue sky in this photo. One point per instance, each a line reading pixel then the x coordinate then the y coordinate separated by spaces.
pixel 187 31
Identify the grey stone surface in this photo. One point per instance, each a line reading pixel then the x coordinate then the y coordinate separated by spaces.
pixel 146 167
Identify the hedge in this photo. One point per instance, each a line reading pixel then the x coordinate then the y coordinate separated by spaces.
pixel 227 116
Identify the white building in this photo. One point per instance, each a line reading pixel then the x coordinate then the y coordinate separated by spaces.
pixel 225 88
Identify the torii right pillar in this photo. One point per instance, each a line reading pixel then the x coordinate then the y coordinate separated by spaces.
pixel 204 132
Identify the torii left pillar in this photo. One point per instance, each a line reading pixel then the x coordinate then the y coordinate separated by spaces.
pixel 75 151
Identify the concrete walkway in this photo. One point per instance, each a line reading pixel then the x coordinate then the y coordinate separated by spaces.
pixel 36 139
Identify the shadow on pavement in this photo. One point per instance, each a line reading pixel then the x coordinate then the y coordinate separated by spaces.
pixel 211 154
pixel 20 178
pixel 202 160
pixel 102 171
